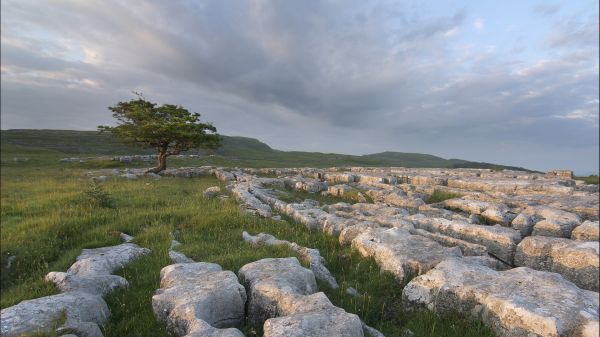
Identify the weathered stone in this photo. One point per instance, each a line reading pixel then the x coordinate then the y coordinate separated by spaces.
pixel 95 284
pixel 338 190
pixel 105 260
pixel 129 176
pixel 200 299
pixel 517 302
pixel 334 322
pixel 269 281
pixel 211 192
pixel 467 248
pixel 401 253
pixel 554 222
pixel 499 241
pixel 84 312
pixel 398 200
pixel 587 231
pixel 576 261
pixel 312 256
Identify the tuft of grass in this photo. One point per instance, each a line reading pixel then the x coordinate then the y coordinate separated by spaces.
pixel 96 196
pixel 439 196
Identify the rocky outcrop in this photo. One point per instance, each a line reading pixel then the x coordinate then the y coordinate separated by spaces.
pixel 587 231
pixel 401 253
pixel 576 261
pixel 516 302
pixel 200 299
pixel 81 303
pixel 310 255
pixel 499 241
pixel 282 294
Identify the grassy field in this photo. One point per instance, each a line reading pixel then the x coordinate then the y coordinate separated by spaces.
pixel 47 218
pixel 235 151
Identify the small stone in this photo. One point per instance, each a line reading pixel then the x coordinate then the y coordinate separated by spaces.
pixel 352 292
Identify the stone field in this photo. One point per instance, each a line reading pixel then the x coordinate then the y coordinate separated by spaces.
pixel 517 251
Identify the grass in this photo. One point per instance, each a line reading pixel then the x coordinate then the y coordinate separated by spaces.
pixel 591 179
pixel 47 218
pixel 439 196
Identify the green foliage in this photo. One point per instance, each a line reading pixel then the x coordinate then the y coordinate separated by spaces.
pixel 439 196
pixel 591 179
pixel 96 196
pixel 170 129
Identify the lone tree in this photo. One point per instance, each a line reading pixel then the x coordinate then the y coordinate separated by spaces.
pixel 170 129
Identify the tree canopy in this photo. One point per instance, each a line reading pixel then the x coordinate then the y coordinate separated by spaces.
pixel 171 129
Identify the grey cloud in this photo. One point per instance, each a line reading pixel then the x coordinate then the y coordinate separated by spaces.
pixel 353 77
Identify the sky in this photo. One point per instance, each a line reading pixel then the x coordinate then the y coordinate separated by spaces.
pixel 510 82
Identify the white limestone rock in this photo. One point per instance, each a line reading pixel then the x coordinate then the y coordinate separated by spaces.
pixel 211 192
pixel 401 253
pixel 200 299
pixel 269 281
pixel 312 256
pixel 84 313
pixel 519 302
pixel 105 260
pixel 467 248
pixel 499 241
pixel 334 322
pixel 587 231
pixel 577 261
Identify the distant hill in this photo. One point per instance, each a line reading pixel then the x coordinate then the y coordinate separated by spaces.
pixel 246 151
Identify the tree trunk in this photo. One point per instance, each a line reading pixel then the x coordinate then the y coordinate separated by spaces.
pixel 161 163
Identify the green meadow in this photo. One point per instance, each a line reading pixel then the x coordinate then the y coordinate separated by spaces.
pixel 51 210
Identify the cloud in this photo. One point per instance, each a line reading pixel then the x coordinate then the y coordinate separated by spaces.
pixel 365 76
pixel 479 23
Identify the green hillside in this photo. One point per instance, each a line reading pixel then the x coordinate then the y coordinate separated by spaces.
pixel 235 151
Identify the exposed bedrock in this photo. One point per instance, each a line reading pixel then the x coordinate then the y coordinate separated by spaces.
pixel 80 304
pixel 577 261
pixel 401 253
pixel 310 255
pixel 587 231
pixel 200 299
pixel 499 241
pixel 516 302
pixel 282 294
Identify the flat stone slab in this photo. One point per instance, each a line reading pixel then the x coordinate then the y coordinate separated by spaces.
pixel 269 281
pixel 587 231
pixel 499 241
pixel 200 299
pixel 577 261
pixel 84 314
pixel 518 302
pixel 105 260
pixel 334 322
pixel 82 287
pixel 401 253
pixel 312 256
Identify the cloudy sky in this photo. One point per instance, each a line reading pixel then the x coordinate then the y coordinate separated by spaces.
pixel 511 82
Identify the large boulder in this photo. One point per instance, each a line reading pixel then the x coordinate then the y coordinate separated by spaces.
pixel 519 302
pixel 401 253
pixel 200 299
pixel 577 261
pixel 269 281
pixel 587 231
pixel 84 313
pixel 333 322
